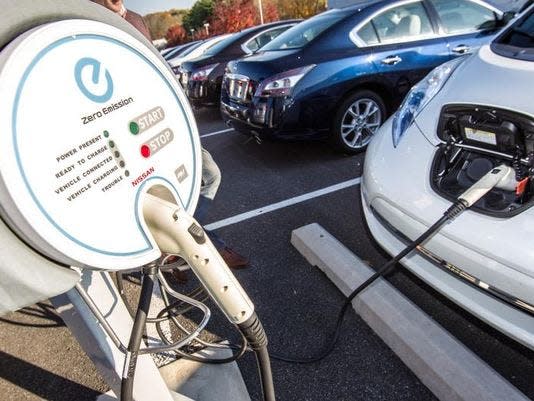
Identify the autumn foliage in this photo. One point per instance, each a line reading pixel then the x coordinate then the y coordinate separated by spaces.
pixel 226 16
pixel 176 35
pixel 233 16
pixel 270 12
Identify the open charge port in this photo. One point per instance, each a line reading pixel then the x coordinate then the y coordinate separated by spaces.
pixel 476 139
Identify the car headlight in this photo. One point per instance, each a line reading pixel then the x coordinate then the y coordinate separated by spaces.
pixel 282 84
pixel 202 73
pixel 419 96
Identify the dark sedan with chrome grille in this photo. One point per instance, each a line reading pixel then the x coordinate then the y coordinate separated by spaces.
pixel 339 74
pixel 202 77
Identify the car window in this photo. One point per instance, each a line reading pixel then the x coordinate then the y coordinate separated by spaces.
pixel 406 22
pixel 303 33
pixel 368 34
pixel 263 38
pixel 464 15
pixel 518 40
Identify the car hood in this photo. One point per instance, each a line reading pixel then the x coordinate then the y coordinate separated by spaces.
pixel 265 64
pixel 484 78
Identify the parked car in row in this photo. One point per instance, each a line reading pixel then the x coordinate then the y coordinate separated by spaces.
pixel 176 50
pixel 342 72
pixel 465 118
pixel 202 77
pixel 194 52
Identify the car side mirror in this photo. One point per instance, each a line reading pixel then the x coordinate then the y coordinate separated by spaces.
pixel 506 17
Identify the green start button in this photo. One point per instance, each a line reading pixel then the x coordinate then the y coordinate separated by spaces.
pixel 134 128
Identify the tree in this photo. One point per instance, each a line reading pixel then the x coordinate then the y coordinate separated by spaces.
pixel 176 35
pixel 270 12
pixel 233 16
pixel 199 14
pixel 159 23
pixel 300 8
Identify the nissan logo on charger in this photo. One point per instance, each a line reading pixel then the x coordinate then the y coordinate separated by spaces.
pixel 87 74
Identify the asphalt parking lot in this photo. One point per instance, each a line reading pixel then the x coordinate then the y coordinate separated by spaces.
pixel 297 304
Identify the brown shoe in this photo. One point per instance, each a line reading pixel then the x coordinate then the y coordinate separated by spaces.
pixel 233 259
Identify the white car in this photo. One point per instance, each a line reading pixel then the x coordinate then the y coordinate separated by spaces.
pixel 466 117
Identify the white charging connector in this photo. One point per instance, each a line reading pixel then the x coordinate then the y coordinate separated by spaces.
pixel 175 231
pixel 502 177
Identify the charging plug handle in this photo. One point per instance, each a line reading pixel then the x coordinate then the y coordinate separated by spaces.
pixel 175 231
pixel 502 177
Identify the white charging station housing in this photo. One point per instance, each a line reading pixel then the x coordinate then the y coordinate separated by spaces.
pixel 91 119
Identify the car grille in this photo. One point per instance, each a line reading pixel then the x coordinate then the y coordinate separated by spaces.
pixel 239 87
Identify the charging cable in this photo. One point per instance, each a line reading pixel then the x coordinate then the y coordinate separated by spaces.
pixel 149 275
pixel 502 177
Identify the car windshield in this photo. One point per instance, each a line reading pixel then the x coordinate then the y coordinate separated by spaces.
pixel 518 40
pixel 305 32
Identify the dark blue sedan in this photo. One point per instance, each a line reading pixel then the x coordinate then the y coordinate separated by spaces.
pixel 342 72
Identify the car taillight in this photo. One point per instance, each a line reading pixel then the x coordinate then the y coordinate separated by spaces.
pixel 282 84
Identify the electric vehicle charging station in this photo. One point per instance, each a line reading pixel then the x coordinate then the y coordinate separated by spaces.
pixel 95 126
pixel 62 69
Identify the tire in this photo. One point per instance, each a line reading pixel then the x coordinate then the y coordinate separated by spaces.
pixel 357 120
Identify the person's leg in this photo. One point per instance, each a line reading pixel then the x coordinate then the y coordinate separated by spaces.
pixel 203 206
pixel 211 176
pixel 211 179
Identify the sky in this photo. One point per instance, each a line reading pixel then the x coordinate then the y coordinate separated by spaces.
pixel 144 7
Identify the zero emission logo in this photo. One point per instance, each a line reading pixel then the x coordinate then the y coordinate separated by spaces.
pixel 88 75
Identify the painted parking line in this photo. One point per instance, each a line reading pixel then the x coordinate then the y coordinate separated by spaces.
pixel 216 132
pixel 285 203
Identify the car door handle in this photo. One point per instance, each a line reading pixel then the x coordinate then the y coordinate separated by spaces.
pixel 461 49
pixel 391 60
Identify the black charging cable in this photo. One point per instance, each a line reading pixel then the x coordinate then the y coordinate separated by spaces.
pixel 147 287
pixel 457 208
pixel 253 331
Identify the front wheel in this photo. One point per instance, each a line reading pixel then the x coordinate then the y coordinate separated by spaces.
pixel 357 120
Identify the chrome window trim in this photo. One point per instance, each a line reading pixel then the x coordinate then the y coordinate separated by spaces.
pixel 360 43
pixel 244 45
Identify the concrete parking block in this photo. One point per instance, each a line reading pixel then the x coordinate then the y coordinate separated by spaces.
pixel 194 381
pixel 205 382
pixel 450 370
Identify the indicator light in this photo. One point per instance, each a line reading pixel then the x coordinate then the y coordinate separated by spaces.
pixel 145 151
pixel 134 128
pixel 106 134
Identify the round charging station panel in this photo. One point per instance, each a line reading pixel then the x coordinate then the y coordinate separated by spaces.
pixel 90 120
